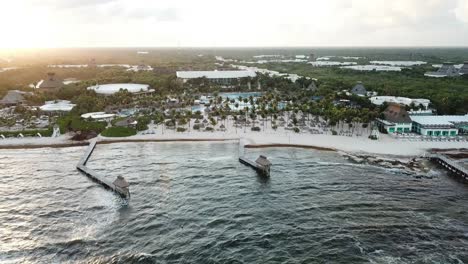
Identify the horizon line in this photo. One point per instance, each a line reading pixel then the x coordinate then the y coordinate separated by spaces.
pixel 226 47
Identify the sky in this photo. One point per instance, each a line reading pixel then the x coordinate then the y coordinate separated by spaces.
pixel 239 23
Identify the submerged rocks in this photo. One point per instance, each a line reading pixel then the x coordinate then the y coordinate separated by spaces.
pixel 410 167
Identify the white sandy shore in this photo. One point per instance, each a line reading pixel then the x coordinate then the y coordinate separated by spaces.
pixel 386 145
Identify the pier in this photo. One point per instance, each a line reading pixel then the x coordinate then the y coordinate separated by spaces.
pixel 451 165
pixel 261 165
pixel 120 186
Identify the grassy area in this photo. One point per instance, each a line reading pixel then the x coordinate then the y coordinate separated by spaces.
pixel 28 133
pixel 118 132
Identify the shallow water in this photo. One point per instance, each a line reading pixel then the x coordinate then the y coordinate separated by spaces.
pixel 195 203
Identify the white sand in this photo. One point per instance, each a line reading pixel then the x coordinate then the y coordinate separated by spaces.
pixel 386 145
pixel 36 141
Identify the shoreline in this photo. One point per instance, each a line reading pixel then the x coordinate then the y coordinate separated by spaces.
pixel 255 146
pixel 357 145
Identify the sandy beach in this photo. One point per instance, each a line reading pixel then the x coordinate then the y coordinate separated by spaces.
pixel 386 145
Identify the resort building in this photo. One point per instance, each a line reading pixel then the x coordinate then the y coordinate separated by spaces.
pixel 396 120
pixel 379 100
pixel 13 97
pixel 221 77
pixel 98 116
pixel 464 69
pixel 420 112
pixel 57 106
pixel 359 89
pixel 134 88
pixel 440 125
pixel 51 83
pixel 447 70
pixel 312 87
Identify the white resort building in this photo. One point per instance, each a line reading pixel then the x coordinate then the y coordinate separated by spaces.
pixel 379 100
pixel 440 125
pixel 448 70
pixel 58 106
pixel 108 89
pixel 221 77
pixel 397 120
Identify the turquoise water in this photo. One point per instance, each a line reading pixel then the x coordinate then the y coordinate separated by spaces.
pixel 243 95
pixel 235 96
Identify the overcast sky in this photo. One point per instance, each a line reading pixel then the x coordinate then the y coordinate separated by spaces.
pixel 219 23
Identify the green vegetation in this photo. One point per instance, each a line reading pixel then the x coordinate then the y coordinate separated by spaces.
pixel 448 95
pixel 28 133
pixel 280 97
pixel 143 122
pixel 181 129
pixel 118 132
pixel 75 123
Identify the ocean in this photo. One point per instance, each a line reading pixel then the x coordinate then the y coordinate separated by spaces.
pixel 195 203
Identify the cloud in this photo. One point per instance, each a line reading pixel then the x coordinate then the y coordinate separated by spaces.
pixel 65 4
pixel 461 11
pixel 242 22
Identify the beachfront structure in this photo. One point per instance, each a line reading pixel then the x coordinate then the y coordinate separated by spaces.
pixel 447 70
pixel 379 100
pixel 57 106
pixel 221 77
pixel 51 83
pixel 440 125
pixel 13 97
pixel 109 89
pixel 395 120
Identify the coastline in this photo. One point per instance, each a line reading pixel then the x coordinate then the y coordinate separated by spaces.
pixel 253 146
pixel 356 145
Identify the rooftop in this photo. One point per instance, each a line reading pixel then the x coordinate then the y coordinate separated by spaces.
pixel 108 89
pixel 97 115
pixel 59 105
pixel 440 120
pixel 396 113
pixel 215 74
pixel 13 97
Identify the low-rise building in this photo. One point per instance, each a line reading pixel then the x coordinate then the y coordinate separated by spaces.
pixel 395 120
pixel 221 77
pixel 464 69
pixel 13 97
pixel 379 100
pixel 445 125
pixel 134 88
pixel 447 70
pixel 58 106
pixel 51 83
pixel 98 116
pixel 359 89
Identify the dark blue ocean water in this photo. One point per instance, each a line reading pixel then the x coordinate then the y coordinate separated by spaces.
pixel 195 203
